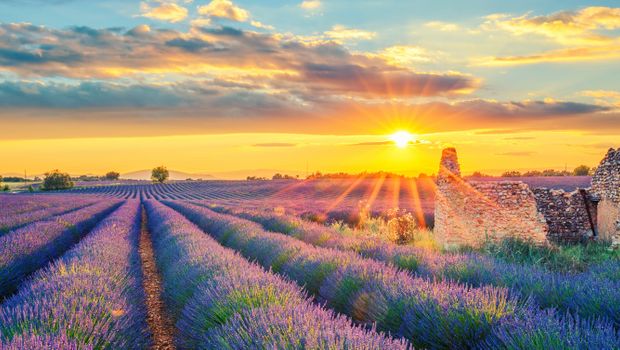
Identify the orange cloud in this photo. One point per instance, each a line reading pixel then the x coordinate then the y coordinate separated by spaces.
pixel 263 61
pixel 566 27
pixel 579 32
pixel 224 9
pixel 563 55
pixel 164 11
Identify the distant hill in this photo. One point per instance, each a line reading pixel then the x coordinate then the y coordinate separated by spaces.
pixel 243 174
pixel 174 175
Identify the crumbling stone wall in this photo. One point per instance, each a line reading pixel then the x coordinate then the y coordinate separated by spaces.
pixel 472 212
pixel 571 216
pixel 606 187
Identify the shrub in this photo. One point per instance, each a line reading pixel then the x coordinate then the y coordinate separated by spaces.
pixel 56 180
pixel 112 175
pixel 401 226
pixel 582 170
pixel 160 174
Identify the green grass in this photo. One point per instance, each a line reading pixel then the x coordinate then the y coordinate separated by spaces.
pixel 564 258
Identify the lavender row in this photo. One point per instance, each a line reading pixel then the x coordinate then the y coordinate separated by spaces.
pixel 589 294
pixel 90 297
pixel 219 300
pixel 12 218
pixel 430 314
pixel 21 203
pixel 29 248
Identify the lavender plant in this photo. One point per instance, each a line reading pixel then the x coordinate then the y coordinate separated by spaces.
pixel 90 298
pixel 219 300
pixel 29 248
pixel 588 294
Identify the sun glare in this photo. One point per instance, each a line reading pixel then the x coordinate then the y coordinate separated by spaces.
pixel 402 138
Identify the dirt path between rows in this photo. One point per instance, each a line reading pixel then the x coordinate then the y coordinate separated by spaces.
pixel 158 321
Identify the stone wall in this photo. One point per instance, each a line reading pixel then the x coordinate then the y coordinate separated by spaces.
pixel 570 216
pixel 606 187
pixel 472 212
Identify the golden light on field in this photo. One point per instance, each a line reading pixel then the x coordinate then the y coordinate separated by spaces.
pixel 402 138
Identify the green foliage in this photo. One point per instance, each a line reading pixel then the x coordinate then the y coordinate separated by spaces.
pixel 112 175
pixel 30 189
pixel 564 258
pixel 6 188
pixel 160 174
pixel 56 180
pixel 582 170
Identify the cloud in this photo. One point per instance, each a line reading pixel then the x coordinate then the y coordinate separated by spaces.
pixel 563 55
pixel 442 26
pixel 406 55
pixel 342 33
pixel 224 9
pixel 566 27
pixel 274 144
pixel 373 143
pixel 604 97
pixel 587 34
pixel 164 11
pixel 516 154
pixel 520 138
pixel 310 4
pixel 309 71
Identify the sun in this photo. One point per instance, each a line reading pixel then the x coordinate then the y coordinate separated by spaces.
pixel 402 138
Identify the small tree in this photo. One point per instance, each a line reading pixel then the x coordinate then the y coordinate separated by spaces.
pixel 55 180
pixel 582 170
pixel 160 174
pixel 112 175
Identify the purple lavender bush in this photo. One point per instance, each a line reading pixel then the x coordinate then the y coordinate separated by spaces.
pixel 587 294
pixel 91 297
pixel 29 248
pixel 13 216
pixel 431 314
pixel 219 300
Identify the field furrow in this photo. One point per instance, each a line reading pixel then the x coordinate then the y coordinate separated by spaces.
pixel 219 300
pixel 431 314
pixel 90 298
pixel 587 294
pixel 158 320
pixel 29 248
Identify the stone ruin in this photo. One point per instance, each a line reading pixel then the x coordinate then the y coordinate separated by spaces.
pixel 471 212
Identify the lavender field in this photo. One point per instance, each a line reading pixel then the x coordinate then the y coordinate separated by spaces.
pixel 238 265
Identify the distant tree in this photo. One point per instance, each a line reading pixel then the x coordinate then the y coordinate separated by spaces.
pixel 479 174
pixel 532 173
pixel 112 175
pixel 256 178
pixel 512 173
pixel 160 174
pixel 582 170
pixel 6 188
pixel 30 189
pixel 55 180
pixel 37 179
pixel 0 179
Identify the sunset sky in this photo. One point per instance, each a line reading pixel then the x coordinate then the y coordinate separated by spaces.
pixel 225 86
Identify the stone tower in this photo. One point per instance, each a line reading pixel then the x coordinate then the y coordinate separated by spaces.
pixel 470 213
pixel 606 189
